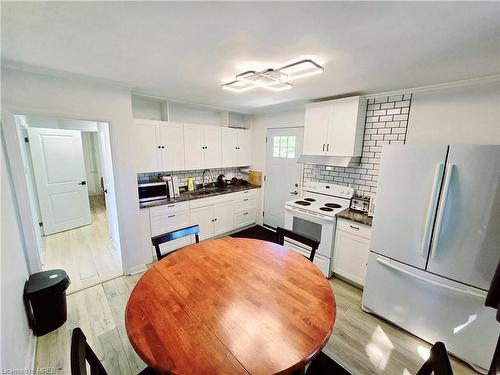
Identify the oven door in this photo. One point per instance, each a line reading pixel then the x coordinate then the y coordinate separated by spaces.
pixel 152 191
pixel 318 228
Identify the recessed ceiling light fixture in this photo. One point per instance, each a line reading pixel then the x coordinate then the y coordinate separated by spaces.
pixel 274 79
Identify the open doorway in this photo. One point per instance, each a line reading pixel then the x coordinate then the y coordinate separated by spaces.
pixel 71 186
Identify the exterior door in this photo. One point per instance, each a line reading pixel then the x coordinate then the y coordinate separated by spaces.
pixel 60 178
pixel 409 181
pixel 172 142
pixel 466 241
pixel 283 173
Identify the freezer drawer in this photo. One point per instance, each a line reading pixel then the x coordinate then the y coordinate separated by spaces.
pixel 432 308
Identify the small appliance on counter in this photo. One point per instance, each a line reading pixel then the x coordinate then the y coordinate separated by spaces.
pixel 360 203
pixel 166 187
pixel 221 182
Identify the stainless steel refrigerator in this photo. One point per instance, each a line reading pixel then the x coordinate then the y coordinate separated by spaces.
pixel 435 245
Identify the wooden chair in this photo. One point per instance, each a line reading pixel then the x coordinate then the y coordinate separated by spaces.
pixel 170 236
pixel 437 364
pixel 282 233
pixel 82 353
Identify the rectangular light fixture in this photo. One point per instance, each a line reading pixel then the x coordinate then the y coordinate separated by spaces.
pixel 274 79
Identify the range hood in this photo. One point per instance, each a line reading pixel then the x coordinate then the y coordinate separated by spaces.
pixel 337 161
pixel 333 132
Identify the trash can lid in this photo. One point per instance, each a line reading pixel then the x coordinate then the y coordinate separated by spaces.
pixel 47 282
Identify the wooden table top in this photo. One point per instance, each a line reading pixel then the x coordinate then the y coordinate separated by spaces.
pixel 230 306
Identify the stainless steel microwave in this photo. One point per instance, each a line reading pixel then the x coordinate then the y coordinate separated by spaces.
pixel 152 191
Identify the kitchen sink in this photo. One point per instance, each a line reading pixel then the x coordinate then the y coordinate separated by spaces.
pixel 204 191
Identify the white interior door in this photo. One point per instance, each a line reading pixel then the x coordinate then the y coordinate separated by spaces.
pixel 109 182
pixel 284 146
pixel 466 241
pixel 60 178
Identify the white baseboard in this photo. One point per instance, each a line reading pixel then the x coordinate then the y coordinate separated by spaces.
pixel 136 269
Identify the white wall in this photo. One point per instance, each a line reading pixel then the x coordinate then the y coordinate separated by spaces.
pixel 466 114
pixel 16 340
pixel 293 117
pixel 38 94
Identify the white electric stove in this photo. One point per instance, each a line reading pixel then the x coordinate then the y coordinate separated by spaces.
pixel 313 215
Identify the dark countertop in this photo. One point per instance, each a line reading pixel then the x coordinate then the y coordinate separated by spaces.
pixel 189 196
pixel 355 216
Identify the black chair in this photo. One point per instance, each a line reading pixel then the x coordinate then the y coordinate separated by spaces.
pixel 170 236
pixel 82 353
pixel 438 362
pixel 282 233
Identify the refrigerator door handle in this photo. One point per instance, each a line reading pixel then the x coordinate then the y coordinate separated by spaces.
pixel 441 208
pixel 468 291
pixel 424 245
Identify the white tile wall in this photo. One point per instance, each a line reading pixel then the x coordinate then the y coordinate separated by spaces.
pixel 386 123
pixel 196 174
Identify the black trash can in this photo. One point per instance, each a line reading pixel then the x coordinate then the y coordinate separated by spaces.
pixel 45 299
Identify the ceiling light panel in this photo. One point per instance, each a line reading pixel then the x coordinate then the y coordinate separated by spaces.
pixel 274 79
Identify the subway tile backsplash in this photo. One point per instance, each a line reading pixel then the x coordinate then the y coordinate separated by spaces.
pixel 386 123
pixel 196 174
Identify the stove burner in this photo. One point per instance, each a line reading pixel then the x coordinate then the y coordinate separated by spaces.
pixel 302 203
pixel 333 205
pixel 326 209
pixel 310 199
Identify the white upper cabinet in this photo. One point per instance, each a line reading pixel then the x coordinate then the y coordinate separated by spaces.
pixel 335 127
pixel 202 146
pixel 236 150
pixel 172 146
pixel 159 145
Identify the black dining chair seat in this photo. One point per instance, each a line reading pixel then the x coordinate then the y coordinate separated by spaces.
pixel 173 235
pixel 82 354
pixel 282 233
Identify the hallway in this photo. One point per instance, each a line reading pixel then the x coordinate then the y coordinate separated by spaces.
pixel 87 253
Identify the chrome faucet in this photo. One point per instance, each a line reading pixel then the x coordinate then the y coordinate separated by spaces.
pixel 203 177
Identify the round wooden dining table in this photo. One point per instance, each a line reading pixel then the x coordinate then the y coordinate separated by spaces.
pixel 230 306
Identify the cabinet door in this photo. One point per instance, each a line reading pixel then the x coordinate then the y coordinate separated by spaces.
pixel 351 256
pixel 224 218
pixel 342 127
pixel 315 129
pixel 193 143
pixel 244 148
pixel 229 147
pixel 212 144
pixel 172 142
pixel 204 217
pixel 147 144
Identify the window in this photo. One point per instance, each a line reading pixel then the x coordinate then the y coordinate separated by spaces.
pixel 284 146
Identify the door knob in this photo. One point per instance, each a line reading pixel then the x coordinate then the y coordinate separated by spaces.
pixel 82 183
pixel 294 192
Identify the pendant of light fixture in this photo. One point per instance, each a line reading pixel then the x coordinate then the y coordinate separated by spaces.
pixel 274 79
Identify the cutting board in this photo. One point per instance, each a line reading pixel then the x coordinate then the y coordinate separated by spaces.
pixel 255 178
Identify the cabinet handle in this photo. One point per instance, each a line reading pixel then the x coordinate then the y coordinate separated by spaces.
pixel 171 205
pixel 245 192
pixel 159 146
pixel 244 200
pixel 245 213
pixel 171 216
pixel 323 147
pixel 353 227
pixel 327 146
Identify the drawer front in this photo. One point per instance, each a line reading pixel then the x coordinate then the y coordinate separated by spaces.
pixel 167 209
pixel 252 193
pixel 245 204
pixel 245 218
pixel 354 228
pixel 196 203
pixel 166 223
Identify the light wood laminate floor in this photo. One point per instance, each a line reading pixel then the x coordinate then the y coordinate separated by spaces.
pixel 87 253
pixel 361 342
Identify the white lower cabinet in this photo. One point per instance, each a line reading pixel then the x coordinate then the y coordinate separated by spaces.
pixel 224 221
pixel 350 255
pixel 204 217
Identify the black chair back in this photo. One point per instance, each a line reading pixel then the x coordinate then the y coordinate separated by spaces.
pixel 282 233
pixel 170 236
pixel 438 362
pixel 81 354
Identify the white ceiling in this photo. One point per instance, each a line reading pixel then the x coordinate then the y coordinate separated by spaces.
pixel 184 50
